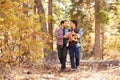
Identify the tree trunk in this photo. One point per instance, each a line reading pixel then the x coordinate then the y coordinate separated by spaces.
pixel 35 9
pixel 25 6
pixel 42 19
pixel 97 32
pixel 50 27
pixel 103 41
pixel 41 13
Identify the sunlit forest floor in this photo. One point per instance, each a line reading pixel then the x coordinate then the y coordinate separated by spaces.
pixel 51 72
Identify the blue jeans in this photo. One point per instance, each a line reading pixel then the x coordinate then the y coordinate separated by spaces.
pixel 74 51
pixel 62 52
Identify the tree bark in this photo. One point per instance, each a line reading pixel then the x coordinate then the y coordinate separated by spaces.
pixel 103 40
pixel 41 13
pixel 97 47
pixel 50 27
pixel 35 9
pixel 25 6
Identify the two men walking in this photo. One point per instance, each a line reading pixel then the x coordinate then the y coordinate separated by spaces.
pixel 71 37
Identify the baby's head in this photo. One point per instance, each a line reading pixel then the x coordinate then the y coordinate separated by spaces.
pixel 76 30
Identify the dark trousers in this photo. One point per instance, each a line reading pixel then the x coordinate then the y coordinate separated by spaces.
pixel 62 52
pixel 74 52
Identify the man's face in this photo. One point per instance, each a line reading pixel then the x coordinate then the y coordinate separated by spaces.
pixel 71 24
pixel 65 24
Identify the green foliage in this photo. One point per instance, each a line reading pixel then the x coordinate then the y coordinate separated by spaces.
pixel 112 47
pixel 118 28
pixel 115 10
pixel 103 17
pixel 60 9
pixel 114 43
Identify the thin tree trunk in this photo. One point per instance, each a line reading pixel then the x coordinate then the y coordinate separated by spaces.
pixel 35 11
pixel 42 19
pixel 97 32
pixel 50 27
pixel 25 6
pixel 103 41
pixel 41 13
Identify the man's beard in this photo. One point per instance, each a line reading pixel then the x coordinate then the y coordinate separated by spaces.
pixel 63 26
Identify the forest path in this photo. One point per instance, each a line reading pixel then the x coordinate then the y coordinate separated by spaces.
pixel 51 72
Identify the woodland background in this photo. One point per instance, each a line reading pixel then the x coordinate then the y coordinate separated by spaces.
pixel 27 30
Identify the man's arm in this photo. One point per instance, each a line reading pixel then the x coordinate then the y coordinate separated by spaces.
pixel 67 35
pixel 57 34
pixel 80 32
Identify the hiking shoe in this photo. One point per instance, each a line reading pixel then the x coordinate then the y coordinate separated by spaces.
pixel 73 69
pixel 61 70
pixel 78 68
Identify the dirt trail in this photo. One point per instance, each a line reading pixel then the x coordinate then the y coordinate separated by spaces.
pixel 51 72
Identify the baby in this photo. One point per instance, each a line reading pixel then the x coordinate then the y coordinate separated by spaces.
pixel 72 37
